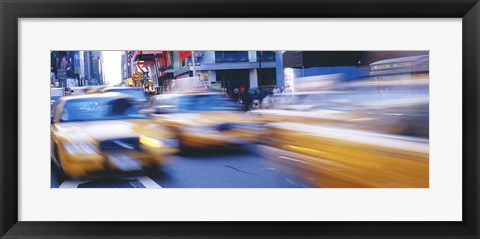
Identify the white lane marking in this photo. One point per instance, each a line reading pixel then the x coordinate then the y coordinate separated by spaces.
pixel 72 183
pixel 297 184
pixel 147 182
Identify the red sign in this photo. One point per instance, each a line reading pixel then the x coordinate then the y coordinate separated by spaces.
pixel 184 55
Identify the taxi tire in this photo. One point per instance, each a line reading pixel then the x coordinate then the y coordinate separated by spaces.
pixel 184 149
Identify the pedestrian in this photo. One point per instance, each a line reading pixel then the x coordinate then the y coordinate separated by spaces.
pixel 236 92
pixel 275 90
pixel 236 95
pixel 241 89
pixel 288 90
pixel 247 100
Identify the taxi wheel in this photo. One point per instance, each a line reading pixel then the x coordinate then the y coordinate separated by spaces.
pixel 184 149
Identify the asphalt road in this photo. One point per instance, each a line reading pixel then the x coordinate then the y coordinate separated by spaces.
pixel 227 168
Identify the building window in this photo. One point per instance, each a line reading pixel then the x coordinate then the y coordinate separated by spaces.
pixel 267 77
pixel 265 56
pixel 231 56
pixel 232 79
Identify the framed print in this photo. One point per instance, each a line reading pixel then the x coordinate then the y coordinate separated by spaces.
pixel 239 119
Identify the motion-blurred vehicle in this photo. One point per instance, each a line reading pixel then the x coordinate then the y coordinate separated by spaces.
pixel 93 89
pixel 391 107
pixel 205 119
pixel 138 94
pixel 55 94
pixel 363 134
pixel 345 158
pixel 252 99
pixel 94 133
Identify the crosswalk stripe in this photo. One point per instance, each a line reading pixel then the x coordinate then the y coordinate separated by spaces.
pixel 146 181
pixel 72 183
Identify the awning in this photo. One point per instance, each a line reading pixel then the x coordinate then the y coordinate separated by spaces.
pixel 182 70
pixel 145 55
pixel 184 55
pixel 307 59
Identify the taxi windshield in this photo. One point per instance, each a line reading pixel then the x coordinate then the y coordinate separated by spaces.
pixel 137 93
pixel 198 103
pixel 90 109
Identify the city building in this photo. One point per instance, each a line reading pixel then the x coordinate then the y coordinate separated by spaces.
pixel 162 71
pixel 93 67
pixel 229 70
pixel 159 70
pixel 123 66
pixel 76 68
pixel 83 79
pixel 64 68
pixel 97 73
pixel 340 66
pixel 127 63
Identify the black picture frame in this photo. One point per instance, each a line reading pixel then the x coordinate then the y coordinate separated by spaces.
pixel 12 10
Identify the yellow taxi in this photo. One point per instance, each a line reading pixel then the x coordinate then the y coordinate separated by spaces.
pixel 346 158
pixel 205 119
pixel 363 135
pixel 94 133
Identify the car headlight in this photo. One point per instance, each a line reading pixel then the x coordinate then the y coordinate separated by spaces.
pixel 158 142
pixel 82 148
pixel 150 142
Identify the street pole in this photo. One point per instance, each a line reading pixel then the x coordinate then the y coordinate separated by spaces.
pixel 260 73
pixel 194 66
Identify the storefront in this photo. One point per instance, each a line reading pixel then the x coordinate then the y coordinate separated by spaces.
pixel 233 79
pixel 267 77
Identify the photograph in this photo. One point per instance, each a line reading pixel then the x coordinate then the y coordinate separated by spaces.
pixel 239 119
